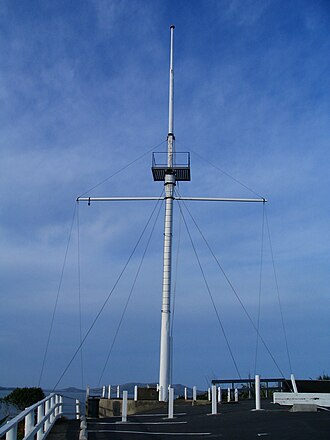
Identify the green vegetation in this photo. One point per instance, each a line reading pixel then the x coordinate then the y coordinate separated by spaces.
pixel 324 377
pixel 24 397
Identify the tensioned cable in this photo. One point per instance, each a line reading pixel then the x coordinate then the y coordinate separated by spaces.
pixel 130 293
pixel 234 291
pixel 79 297
pixel 106 300
pixel 227 174
pixel 278 293
pixel 260 288
pixel 122 169
pixel 57 296
pixel 210 294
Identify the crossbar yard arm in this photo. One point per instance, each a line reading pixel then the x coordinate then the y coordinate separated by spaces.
pixel 116 199
pixel 220 199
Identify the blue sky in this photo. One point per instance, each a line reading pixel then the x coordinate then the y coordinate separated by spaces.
pixel 84 91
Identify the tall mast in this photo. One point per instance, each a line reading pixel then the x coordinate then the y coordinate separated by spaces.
pixel 165 343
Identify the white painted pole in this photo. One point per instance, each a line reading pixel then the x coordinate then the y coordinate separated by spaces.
pixel 185 393
pixel 160 394
pixel 109 391
pixel 87 392
pixel 170 402
pixel 40 415
pixel 124 407
pixel 135 393
pixel 194 393
pixel 118 391
pixel 77 409
pixel 219 395
pixel 103 392
pixel 28 423
pixel 236 395
pixel 12 433
pixel 228 394
pixel 214 399
pixel 165 345
pixel 294 385
pixel 257 391
pixel 47 406
pixel 209 394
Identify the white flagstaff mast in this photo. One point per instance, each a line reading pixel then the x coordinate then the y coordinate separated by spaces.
pixel 165 343
pixel 176 167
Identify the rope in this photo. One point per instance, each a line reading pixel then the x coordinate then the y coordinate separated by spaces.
pixel 228 175
pixel 278 293
pixel 260 289
pixel 57 297
pixel 106 300
pixel 130 294
pixel 122 169
pixel 235 292
pixel 210 294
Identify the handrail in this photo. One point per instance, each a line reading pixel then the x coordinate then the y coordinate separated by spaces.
pixel 39 419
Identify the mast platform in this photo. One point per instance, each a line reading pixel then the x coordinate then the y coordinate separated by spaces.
pixel 180 168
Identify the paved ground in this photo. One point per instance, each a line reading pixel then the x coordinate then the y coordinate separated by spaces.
pixel 65 429
pixel 234 422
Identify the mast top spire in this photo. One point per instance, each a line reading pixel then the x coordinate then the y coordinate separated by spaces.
pixel 171 87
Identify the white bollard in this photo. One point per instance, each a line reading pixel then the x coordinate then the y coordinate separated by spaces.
pixel 170 402
pixel 160 395
pixel 294 385
pixel 103 392
pixel 109 391
pixel 118 391
pixel 209 394
pixel 236 395
pixel 214 399
pixel 135 393
pixel 124 407
pixel 219 395
pixel 257 390
pixel 228 394
pixel 194 393
pixel 77 409
pixel 185 393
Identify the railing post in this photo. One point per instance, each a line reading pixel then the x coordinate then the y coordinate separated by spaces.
pixel 52 404
pixel 77 409
pixel 160 395
pixel 170 402
pixel 124 407
pixel 103 392
pixel 28 423
pixel 118 391
pixel 294 385
pixel 209 394
pixel 135 393
pixel 40 415
pixel 185 393
pixel 236 395
pixel 228 395
pixel 257 390
pixel 109 391
pixel 214 399
pixel 61 405
pixel 47 421
pixel 87 392
pixel 12 433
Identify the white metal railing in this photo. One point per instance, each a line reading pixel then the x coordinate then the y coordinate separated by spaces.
pixel 38 419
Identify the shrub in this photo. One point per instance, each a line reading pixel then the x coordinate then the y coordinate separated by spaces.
pixel 24 397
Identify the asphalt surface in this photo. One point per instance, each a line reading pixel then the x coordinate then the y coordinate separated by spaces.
pixel 234 421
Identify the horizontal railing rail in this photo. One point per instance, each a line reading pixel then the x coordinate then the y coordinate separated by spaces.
pixel 38 419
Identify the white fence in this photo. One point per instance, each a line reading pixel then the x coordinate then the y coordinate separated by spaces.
pixel 38 419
